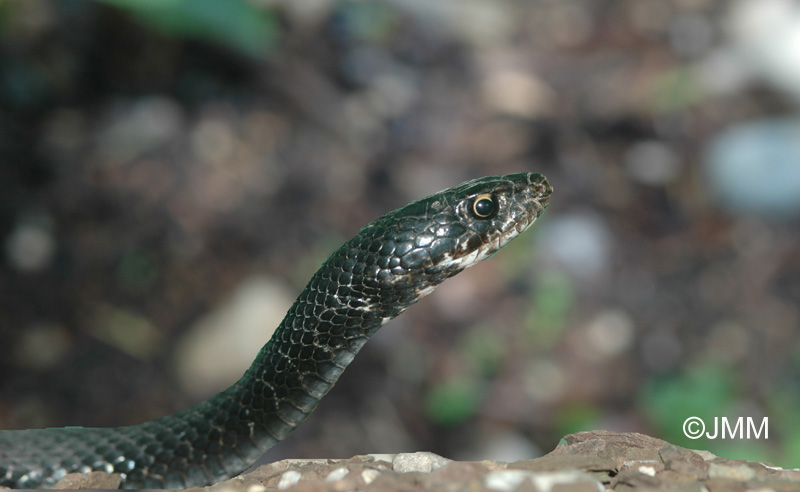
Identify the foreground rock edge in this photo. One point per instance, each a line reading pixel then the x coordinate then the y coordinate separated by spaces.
pixel 586 461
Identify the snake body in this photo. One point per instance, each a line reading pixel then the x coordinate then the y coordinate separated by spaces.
pixel 389 265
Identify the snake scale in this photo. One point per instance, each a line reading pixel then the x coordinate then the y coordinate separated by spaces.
pixel 388 266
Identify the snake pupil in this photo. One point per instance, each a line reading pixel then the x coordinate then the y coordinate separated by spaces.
pixel 484 206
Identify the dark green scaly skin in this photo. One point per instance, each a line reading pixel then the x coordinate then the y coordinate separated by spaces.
pixel 388 266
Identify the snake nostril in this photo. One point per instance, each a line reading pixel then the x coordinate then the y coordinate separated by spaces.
pixel 543 189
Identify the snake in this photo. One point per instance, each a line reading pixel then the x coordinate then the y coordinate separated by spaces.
pixel 390 264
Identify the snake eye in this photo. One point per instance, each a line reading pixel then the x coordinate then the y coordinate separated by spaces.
pixel 484 206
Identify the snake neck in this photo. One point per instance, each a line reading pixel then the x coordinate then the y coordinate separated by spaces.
pixel 360 287
pixel 340 308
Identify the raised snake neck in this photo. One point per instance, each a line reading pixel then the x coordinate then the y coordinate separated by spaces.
pixel 389 265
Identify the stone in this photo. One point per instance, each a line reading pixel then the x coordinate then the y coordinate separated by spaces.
pixel 91 480
pixel 740 472
pixel 418 462
pixel 580 462
pixel 288 479
pixel 617 447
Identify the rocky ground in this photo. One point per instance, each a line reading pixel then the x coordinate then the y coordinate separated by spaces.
pixel 586 461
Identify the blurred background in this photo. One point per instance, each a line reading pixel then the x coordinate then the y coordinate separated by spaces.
pixel 172 173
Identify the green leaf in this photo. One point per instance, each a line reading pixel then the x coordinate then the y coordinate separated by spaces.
pixel 453 402
pixel 232 23
pixel 483 349
pixel 705 391
pixel 551 304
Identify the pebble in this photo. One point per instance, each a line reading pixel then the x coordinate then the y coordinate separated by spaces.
pixel 765 36
pixel 510 480
pixel 288 479
pixel 42 346
pixel 132 130
pixel 548 481
pixel 388 458
pixel 741 472
pixel 650 471
pixel 337 474
pixel 369 475
pixel 752 168
pixel 422 461
pixel 580 242
pixel 609 334
pixel 652 163
pixel 505 479
pixel 31 246
pixel 510 445
pixel 238 327
pixel 518 94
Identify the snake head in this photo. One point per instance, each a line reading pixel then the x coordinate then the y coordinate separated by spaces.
pixel 485 214
pixel 409 251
